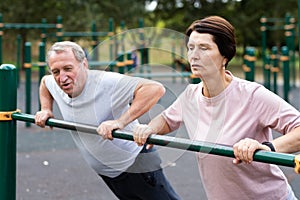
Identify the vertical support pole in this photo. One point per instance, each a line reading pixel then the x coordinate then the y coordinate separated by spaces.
pixel 129 62
pixel 142 44
pixel 1 34
pixel 44 31
pixel 263 29
pixel 267 68
pixel 173 58
pixel 19 50
pixel 288 28
pixel 8 147
pixel 27 66
pixel 120 63
pixel 95 55
pixel 251 63
pixel 122 36
pixel 286 72
pixel 42 61
pixel 245 65
pixel 110 34
pixel 275 68
pixel 42 64
pixel 59 27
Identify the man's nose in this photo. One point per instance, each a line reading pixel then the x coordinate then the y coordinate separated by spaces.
pixel 63 77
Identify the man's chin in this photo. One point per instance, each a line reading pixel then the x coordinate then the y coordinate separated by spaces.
pixel 69 92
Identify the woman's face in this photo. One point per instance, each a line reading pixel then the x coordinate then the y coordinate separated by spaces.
pixel 204 56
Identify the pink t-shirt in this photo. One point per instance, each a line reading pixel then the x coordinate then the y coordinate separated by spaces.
pixel 243 109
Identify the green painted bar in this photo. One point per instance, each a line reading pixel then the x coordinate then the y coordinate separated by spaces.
pixel 95 51
pixel 28 26
pixel 111 42
pixel 162 140
pixel 263 30
pixel 1 33
pixel 59 27
pixel 44 31
pixel 275 65
pixel 121 66
pixel 19 55
pixel 162 75
pixel 8 103
pixel 129 66
pixel 42 61
pixel 286 72
pixel 27 64
pixel 251 63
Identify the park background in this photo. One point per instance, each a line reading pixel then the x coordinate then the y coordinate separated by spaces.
pixel 49 166
pixel 78 16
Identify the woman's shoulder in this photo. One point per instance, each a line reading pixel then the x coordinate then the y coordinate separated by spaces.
pixel 247 85
pixel 193 89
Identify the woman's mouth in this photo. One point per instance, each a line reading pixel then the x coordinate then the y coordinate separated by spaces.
pixel 195 66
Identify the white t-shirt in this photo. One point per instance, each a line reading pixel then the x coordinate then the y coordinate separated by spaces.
pixel 243 109
pixel 105 96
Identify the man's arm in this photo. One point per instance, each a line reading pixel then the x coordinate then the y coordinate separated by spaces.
pixel 146 95
pixel 46 101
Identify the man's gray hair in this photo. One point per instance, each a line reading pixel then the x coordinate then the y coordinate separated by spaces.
pixel 65 45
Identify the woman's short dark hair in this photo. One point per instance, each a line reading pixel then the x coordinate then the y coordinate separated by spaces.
pixel 222 31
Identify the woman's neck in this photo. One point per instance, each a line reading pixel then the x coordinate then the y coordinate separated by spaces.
pixel 214 86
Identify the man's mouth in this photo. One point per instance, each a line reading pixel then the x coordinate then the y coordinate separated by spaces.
pixel 65 85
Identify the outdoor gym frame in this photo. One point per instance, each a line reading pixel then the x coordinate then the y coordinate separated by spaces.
pixel 9 115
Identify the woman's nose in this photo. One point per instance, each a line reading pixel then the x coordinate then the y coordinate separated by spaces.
pixel 194 55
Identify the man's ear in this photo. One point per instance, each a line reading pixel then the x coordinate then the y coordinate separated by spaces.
pixel 85 63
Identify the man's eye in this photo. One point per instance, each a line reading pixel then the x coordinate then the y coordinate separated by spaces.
pixel 55 72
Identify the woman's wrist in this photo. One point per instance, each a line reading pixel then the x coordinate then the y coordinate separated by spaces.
pixel 270 145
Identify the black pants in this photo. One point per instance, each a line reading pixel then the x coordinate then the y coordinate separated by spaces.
pixel 142 185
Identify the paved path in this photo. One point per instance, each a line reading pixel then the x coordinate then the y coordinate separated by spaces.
pixel 50 167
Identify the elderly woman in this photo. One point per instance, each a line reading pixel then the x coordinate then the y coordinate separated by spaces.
pixel 228 110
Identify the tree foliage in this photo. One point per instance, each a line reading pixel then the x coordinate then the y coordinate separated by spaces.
pixel 244 15
pixel 77 15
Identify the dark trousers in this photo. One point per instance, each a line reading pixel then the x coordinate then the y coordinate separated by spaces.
pixel 142 185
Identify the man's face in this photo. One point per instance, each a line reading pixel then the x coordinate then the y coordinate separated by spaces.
pixel 68 73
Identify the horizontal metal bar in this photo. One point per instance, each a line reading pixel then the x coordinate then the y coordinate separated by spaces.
pixel 159 75
pixel 162 140
pixel 102 63
pixel 85 34
pixel 27 26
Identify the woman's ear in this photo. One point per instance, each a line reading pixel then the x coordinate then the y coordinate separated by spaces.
pixel 224 62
